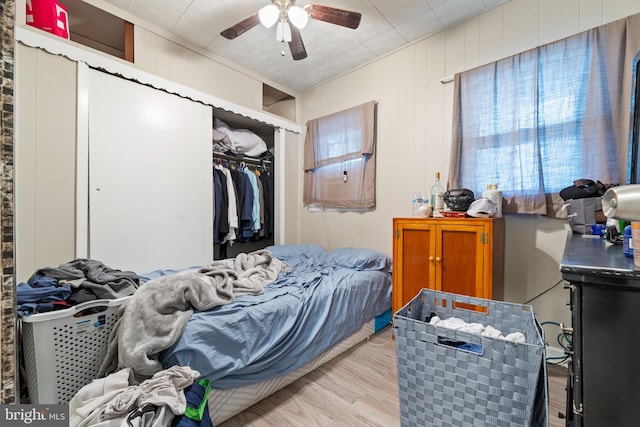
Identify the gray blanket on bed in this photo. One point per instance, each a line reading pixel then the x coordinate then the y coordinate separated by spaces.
pixel 154 317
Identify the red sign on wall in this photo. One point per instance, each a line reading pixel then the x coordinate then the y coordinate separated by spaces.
pixel 48 15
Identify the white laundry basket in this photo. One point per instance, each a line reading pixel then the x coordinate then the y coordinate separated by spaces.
pixel 63 349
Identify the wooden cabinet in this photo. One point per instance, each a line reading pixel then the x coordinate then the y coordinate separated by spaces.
pixel 458 255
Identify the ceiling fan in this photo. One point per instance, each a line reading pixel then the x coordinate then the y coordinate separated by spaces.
pixel 290 20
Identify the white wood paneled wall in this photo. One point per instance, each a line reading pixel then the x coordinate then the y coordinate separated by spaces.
pixel 414 133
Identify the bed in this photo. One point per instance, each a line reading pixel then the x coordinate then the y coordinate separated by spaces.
pixel 314 305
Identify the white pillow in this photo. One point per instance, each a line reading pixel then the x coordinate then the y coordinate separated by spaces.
pixel 243 141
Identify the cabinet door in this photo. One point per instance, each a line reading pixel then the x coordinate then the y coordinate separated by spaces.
pixel 460 259
pixel 413 246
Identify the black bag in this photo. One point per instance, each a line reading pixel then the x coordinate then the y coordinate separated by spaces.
pixel 584 188
pixel 459 199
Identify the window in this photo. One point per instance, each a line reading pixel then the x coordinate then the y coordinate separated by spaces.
pixel 534 122
pixel 633 160
pixel 339 159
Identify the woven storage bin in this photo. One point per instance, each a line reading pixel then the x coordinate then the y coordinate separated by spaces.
pixel 442 385
pixel 63 350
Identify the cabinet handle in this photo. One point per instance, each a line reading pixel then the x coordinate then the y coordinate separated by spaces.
pixel 430 258
pixel 438 259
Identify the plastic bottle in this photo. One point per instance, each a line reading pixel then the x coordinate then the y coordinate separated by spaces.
pixel 627 242
pixel 494 194
pixel 416 203
pixel 437 195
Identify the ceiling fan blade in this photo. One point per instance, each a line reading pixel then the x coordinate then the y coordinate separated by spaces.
pixel 241 27
pixel 296 46
pixel 345 18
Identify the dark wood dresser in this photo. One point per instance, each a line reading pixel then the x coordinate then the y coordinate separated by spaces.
pixel 604 375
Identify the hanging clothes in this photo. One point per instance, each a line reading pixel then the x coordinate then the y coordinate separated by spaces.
pixel 232 206
pixel 255 212
pixel 221 223
pixel 243 204
pixel 267 185
pixel 245 210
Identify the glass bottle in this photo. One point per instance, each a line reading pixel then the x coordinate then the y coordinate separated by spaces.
pixel 437 195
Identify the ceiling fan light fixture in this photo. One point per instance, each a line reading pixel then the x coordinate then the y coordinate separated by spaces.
pixel 291 19
pixel 298 16
pixel 283 32
pixel 269 15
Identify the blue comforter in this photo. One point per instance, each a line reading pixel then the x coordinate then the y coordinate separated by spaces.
pixel 323 298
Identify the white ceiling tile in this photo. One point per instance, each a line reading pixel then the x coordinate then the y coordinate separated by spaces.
pixel 493 3
pixel 385 42
pixel 454 11
pixel 420 26
pixel 163 13
pixel 435 3
pixel 122 4
pixel 332 50
pixel 398 12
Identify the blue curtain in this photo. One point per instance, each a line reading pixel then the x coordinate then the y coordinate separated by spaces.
pixel 536 121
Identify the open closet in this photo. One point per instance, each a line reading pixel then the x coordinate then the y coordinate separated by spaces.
pixel 161 163
pixel 243 172
pixel 131 157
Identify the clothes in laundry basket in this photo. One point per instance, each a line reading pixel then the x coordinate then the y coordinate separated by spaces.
pixel 458 324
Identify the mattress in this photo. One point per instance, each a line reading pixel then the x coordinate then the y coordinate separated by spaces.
pixel 224 404
pixel 321 300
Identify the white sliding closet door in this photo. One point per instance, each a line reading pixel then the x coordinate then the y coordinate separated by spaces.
pixel 150 177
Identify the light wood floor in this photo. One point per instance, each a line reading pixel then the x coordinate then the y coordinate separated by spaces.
pixel 358 388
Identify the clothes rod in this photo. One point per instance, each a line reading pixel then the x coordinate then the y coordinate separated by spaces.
pixel 253 160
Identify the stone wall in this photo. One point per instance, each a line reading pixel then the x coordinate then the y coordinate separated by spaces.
pixel 7 282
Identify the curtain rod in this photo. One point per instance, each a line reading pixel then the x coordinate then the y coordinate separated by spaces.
pixel 375 101
pixel 447 79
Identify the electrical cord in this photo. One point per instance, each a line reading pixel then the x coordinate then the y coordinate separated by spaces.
pixel 563 339
pixel 545 291
pixel 566 345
